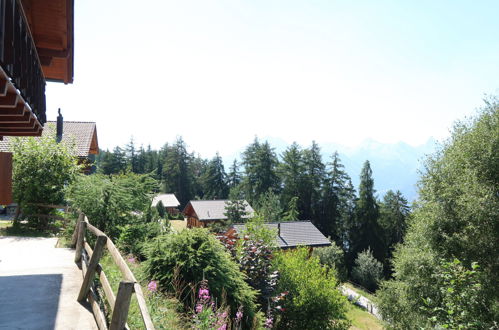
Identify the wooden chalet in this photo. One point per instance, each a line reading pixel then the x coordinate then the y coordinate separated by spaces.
pixel 289 234
pixel 202 213
pixel 169 201
pixel 36 45
pixel 79 135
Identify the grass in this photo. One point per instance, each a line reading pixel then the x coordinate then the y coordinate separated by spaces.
pixel 178 225
pixel 164 311
pixel 362 319
pixel 361 291
pixel 7 229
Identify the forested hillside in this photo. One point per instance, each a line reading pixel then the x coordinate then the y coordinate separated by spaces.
pixel 297 184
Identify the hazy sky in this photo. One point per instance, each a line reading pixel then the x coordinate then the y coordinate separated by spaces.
pixel 220 72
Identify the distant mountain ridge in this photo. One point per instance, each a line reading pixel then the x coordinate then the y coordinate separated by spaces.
pixel 395 166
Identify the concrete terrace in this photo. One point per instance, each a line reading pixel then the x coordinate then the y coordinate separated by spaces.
pixel 39 284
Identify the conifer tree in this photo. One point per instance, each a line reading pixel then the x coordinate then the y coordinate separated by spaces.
pixel 365 232
pixel 315 175
pixel 215 180
pixel 292 173
pixel 260 165
pixel 176 174
pixel 234 177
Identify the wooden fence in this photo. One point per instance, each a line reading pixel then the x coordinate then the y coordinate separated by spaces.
pixel 89 260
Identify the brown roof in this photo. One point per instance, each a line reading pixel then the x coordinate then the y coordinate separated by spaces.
pixel 82 134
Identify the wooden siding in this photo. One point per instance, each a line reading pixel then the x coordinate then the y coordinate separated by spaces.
pixel 5 178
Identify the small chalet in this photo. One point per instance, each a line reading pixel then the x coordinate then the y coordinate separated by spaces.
pixel 202 213
pixel 290 234
pixel 82 135
pixel 169 201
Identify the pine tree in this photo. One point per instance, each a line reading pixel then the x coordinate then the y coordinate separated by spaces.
pixel 131 156
pixel 214 180
pixel 394 212
pixel 291 213
pixel 337 202
pixel 260 165
pixel 234 177
pixel 176 173
pixel 269 207
pixel 364 231
pixel 292 174
pixel 315 176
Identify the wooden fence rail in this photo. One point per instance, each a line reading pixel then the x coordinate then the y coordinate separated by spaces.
pixel 89 259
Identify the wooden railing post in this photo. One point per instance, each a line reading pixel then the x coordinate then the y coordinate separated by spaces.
pixel 82 226
pixel 92 267
pixel 74 239
pixel 120 312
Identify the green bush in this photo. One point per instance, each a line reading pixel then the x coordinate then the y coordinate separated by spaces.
pixel 112 201
pixel 41 169
pixel 367 271
pixel 313 300
pixel 199 255
pixel 333 257
pixel 134 236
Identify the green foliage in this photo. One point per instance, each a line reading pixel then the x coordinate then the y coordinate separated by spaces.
pixel 367 271
pixel 461 297
pixel 260 166
pixel 333 257
pixel 215 180
pixel 456 218
pixel 134 236
pixel 41 169
pixel 313 301
pixel 199 255
pixel 235 208
pixel 364 232
pixel 269 207
pixel 112 201
pixel 178 176
pixel 161 209
pixel 256 230
pixel 338 202
pixel 292 212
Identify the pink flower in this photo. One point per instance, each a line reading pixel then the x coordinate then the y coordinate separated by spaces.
pixel 152 286
pixel 204 294
pixel 199 308
pixel 223 327
pixel 239 315
pixel 268 323
pixel 131 260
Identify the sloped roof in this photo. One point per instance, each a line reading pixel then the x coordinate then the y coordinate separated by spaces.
pixel 215 209
pixel 82 134
pixel 168 200
pixel 294 234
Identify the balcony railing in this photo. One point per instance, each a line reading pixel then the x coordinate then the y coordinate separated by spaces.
pixel 19 58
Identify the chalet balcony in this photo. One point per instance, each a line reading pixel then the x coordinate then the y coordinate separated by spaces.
pixel 22 83
pixel 36 44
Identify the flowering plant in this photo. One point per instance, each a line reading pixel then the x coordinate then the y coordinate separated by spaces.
pixel 206 314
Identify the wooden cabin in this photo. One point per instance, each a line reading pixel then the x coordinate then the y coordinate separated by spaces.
pixel 289 234
pixel 202 213
pixel 169 201
pixel 36 45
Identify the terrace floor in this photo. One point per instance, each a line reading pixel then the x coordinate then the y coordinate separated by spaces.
pixel 39 284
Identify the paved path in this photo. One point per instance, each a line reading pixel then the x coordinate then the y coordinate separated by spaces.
pixel 361 301
pixel 39 285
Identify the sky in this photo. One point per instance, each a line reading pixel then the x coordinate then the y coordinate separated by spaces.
pixel 219 73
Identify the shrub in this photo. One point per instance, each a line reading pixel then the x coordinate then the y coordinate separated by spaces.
pixel 367 270
pixel 134 236
pixel 112 201
pixel 313 301
pixel 333 257
pixel 41 169
pixel 197 255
